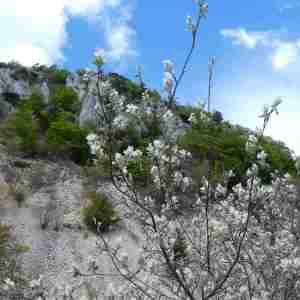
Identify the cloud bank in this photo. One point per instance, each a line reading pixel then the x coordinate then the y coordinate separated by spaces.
pixel 283 53
pixel 35 31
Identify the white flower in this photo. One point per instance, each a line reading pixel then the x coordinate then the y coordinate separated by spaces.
pixel 186 182
pixel 92 137
pixel 204 8
pixel 253 171
pixel 168 82
pixel 251 144
pixel 132 109
pixel 230 174
pixel 275 104
pixel 154 171
pixel 192 119
pixel 94 143
pixel 120 122
pixel 178 178
pixel 262 156
pixel 86 77
pixel 190 24
pixel 168 117
pixel 168 66
pixel 100 53
pixel 156 148
pixel 132 154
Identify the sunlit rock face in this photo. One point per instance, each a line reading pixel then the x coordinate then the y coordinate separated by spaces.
pixel 15 87
pixel 86 94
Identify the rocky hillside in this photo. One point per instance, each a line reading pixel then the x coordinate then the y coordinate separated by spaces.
pixel 48 222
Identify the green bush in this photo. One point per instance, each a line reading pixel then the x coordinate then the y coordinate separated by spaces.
pixel 4 239
pixel 68 140
pixel 34 102
pixel 99 211
pixel 126 87
pixel 57 76
pixel 184 111
pixel 20 132
pixel 65 100
pixel 27 131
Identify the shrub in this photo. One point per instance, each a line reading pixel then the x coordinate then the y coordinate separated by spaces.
pixel 99 211
pixel 19 196
pixel 69 140
pixel 4 239
pixel 65 100
pixel 27 131
pixel 126 87
pixel 184 112
pixel 57 76
pixel 34 102
pixel 140 171
pixel 20 132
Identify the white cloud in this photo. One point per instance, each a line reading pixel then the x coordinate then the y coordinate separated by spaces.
pixel 120 36
pixel 285 5
pixel 35 31
pixel 283 53
pixel 242 37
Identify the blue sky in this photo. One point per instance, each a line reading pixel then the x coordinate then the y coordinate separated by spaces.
pixel 256 44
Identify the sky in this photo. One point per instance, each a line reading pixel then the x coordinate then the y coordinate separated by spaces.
pixel 256 45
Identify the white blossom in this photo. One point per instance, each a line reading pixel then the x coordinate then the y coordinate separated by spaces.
pixel 132 109
pixel 100 54
pixel 190 24
pixel 168 66
pixel 192 118
pixel 168 82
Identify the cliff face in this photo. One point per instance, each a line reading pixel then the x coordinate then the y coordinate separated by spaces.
pixel 14 88
pixel 86 96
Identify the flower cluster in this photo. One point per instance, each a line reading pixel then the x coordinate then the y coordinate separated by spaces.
pixel 129 155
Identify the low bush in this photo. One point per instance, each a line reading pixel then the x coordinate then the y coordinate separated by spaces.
pixel 4 239
pixel 99 214
pixel 20 132
pixel 56 75
pixel 64 100
pixel 67 139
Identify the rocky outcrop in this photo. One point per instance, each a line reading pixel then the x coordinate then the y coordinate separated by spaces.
pixel 13 89
pixel 86 94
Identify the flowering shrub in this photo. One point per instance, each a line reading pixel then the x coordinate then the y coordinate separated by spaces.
pixel 201 239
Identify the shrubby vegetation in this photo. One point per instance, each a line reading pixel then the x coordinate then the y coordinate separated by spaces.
pixel 223 145
pixel 39 128
pixel 67 139
pixel 11 279
pixel 99 214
